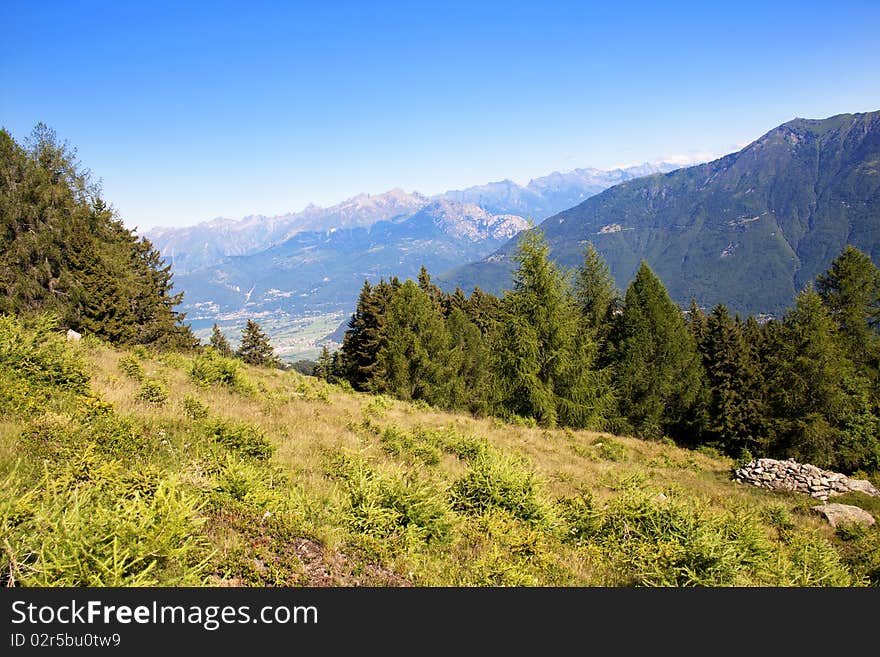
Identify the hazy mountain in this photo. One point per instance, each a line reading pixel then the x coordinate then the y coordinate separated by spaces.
pixel 321 271
pixel 749 229
pixel 545 196
pixel 194 247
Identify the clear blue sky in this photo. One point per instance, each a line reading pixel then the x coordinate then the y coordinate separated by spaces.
pixel 188 111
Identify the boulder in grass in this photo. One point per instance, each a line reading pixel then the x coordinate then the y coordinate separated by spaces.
pixel 837 514
pixel 73 335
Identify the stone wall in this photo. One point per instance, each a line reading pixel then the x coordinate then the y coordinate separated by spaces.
pixel 801 477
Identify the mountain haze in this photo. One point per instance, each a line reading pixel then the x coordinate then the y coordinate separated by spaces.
pixel 749 229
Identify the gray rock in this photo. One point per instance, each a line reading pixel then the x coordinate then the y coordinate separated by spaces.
pixel 836 514
pixel 863 486
pixel 73 335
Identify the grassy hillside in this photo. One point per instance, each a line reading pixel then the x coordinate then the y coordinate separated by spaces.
pixel 137 467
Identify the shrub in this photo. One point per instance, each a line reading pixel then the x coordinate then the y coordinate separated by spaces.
pixel 152 392
pixel 194 409
pixel 242 437
pixel 610 449
pixel 398 442
pixel 391 506
pixel 34 351
pixel 210 368
pixel 131 367
pixel 70 531
pixel 498 480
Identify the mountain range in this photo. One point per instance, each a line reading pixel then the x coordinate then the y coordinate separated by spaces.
pixel 748 230
pixel 314 262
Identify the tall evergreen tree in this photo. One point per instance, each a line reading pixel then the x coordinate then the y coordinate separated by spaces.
pixel 543 361
pixel 62 249
pixel 414 344
pixel 596 294
pixel 483 309
pixel 850 289
pixel 219 342
pixel 364 338
pixel 808 371
pixel 255 347
pixel 435 294
pixel 467 359
pixel 736 406
pixel 658 373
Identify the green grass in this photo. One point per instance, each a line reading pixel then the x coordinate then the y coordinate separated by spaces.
pixel 203 471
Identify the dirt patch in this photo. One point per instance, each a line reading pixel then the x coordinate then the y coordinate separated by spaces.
pixel 269 555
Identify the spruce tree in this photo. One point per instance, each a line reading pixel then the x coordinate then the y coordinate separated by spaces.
pixel 658 373
pixel 219 342
pixel 255 347
pixel 543 361
pixel 324 365
pixel 467 359
pixel 64 250
pixel 438 298
pixel 850 289
pixel 596 294
pixel 808 371
pixel 414 344
pixel 736 408
pixel 364 338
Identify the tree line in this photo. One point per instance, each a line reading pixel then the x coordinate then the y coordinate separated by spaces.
pixel 567 349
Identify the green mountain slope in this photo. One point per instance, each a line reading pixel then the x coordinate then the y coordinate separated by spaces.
pixel 142 467
pixel 749 229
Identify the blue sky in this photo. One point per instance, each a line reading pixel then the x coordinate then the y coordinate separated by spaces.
pixel 188 111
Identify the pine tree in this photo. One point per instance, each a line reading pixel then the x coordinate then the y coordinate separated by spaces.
pixel 219 342
pixel 364 338
pixel 255 348
pixel 64 250
pixel 850 289
pixel 483 309
pixel 808 371
pixel 596 294
pixel 658 373
pixel 414 344
pixel 467 359
pixel 543 362
pixel 697 324
pixel 438 298
pixel 736 407
pixel 324 365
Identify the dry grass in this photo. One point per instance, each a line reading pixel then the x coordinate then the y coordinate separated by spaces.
pixel 309 422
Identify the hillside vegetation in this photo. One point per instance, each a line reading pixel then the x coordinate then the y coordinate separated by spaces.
pixel 129 466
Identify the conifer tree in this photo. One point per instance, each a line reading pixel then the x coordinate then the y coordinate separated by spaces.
pixel 658 372
pixel 736 408
pixel 467 360
pixel 543 361
pixel 219 342
pixel 697 324
pixel 850 289
pixel 64 250
pixel 364 338
pixel 483 309
pixel 324 365
pixel 435 294
pixel 255 347
pixel 414 344
pixel 596 294
pixel 808 370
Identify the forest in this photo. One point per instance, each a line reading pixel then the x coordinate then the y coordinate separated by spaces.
pixel 567 349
